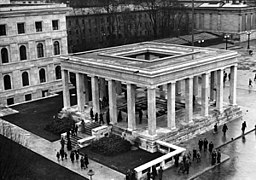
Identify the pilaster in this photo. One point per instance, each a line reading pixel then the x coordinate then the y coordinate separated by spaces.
pixel 171 106
pixel 131 91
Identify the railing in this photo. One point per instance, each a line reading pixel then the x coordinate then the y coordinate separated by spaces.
pixel 164 161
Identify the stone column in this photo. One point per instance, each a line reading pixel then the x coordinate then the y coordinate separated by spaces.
pixel 205 90
pixel 189 100
pixel 151 98
pixel 118 87
pixel 233 75
pixel 212 86
pixel 195 86
pixel 65 84
pixel 102 88
pixel 86 89
pixel 131 91
pixel 178 87
pixel 112 101
pixel 95 94
pixel 219 99
pixel 80 91
pixel 171 105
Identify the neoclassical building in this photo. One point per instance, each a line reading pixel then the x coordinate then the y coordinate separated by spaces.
pixel 31 37
pixel 155 67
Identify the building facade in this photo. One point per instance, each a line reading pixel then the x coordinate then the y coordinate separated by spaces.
pixel 31 37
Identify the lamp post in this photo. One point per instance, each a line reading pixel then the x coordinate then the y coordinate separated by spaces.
pixel 90 173
pixel 226 36
pixel 200 42
pixel 248 34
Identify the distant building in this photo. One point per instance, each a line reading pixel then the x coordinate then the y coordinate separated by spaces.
pixel 31 37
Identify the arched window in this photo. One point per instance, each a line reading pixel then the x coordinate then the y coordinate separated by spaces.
pixel 40 50
pixel 58 72
pixel 56 47
pixel 42 75
pixel 25 79
pixel 4 55
pixel 7 82
pixel 23 53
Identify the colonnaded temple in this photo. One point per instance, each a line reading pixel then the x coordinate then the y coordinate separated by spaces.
pixel 179 88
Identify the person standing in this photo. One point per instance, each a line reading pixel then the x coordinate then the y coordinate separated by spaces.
pixel 107 118
pixel 243 127
pixel 200 144
pixel 148 175
pixel 160 173
pixel 218 156
pixel 72 156
pixel 215 129
pixel 62 142
pixel 91 114
pixel 86 161
pixel 62 153
pixel 224 129
pixel 214 155
pixel 250 82
pixel 140 116
pixel 58 156
pixel 77 155
pixel 194 154
pixel 205 144
pixel 154 172
pixel 96 117
pixel 82 162
pixel 211 147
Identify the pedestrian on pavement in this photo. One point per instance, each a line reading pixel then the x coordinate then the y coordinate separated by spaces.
pixel 101 118
pixel 218 156
pixel 194 154
pixel 205 144
pixel 86 161
pixel 62 153
pixel 160 173
pixel 65 155
pixel 77 155
pixel 214 155
pixel 154 172
pixel 224 129
pixel 96 117
pixel 58 156
pixel 243 127
pixel 72 156
pixel 198 156
pixel 187 166
pixel 215 129
pixel 176 160
pixel 200 144
pixel 140 116
pixel 250 83
pixel 211 147
pixel 82 162
pixel 91 114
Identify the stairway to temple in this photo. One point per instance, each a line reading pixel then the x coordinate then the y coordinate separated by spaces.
pixel 73 140
pixel 89 126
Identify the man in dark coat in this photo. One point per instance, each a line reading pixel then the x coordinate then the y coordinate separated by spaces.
pixel 211 147
pixel 214 155
pixel 194 154
pixel 218 156
pixel 86 161
pixel 107 118
pixel 154 172
pixel 205 144
pixel 243 127
pixel 160 173
pixel 62 153
pixel 96 117
pixel 72 156
pixel 101 118
pixel 224 129
pixel 200 144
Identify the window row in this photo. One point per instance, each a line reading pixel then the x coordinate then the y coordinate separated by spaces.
pixel 21 27
pixel 7 80
pixel 23 51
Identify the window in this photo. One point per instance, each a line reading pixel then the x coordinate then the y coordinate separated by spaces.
pixel 28 97
pixel 25 79
pixel 40 50
pixel 38 26
pixel 42 75
pixel 2 30
pixel 55 24
pixel 10 101
pixel 23 53
pixel 56 47
pixel 58 72
pixel 7 82
pixel 4 55
pixel 21 28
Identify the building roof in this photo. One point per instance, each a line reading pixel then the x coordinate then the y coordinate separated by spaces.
pixel 168 61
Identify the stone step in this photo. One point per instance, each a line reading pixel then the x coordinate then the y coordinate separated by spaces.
pixel 90 126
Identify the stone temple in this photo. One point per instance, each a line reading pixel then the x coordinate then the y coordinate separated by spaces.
pixel 178 88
